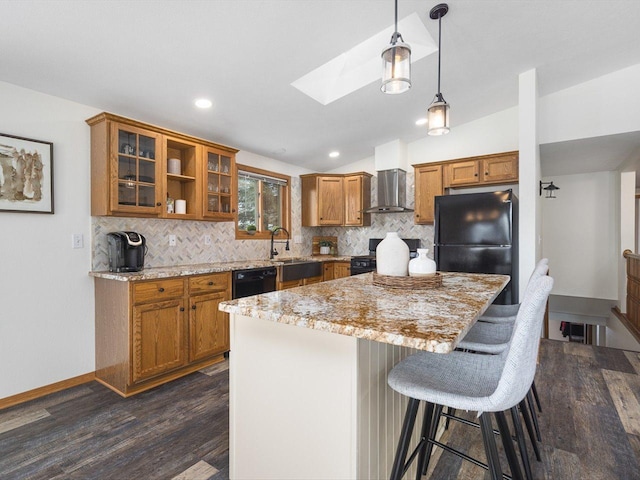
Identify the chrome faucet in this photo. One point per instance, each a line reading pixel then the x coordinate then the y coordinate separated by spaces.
pixel 273 251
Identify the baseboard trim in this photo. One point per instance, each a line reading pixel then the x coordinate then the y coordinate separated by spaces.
pixel 633 330
pixel 46 390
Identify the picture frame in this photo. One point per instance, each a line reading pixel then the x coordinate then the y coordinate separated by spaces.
pixel 26 175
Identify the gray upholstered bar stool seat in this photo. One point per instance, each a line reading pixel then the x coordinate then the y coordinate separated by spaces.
pixel 466 381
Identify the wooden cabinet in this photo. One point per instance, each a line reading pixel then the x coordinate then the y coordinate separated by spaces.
pixel 341 269
pixel 153 331
pixel 158 338
pixel 219 184
pixel 335 200
pixel 500 168
pixel 484 170
pixel 298 283
pixel 428 183
pixel 332 270
pixel 208 326
pixel 463 173
pixel 357 197
pixel 432 179
pixel 130 175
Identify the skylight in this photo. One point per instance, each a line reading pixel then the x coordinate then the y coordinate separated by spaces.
pixel 362 64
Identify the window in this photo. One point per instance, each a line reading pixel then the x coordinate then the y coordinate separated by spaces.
pixel 263 202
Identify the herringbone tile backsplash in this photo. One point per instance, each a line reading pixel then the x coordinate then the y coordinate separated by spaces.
pixel 190 247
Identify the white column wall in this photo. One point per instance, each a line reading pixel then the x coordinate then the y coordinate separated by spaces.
pixel 529 172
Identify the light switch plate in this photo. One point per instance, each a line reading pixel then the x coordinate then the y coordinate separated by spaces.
pixel 77 240
pixel 207 239
pixel 297 239
pixel 172 240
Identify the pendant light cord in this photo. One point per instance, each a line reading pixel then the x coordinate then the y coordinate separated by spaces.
pixel 439 48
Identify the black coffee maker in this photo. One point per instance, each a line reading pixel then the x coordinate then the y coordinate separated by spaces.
pixel 126 251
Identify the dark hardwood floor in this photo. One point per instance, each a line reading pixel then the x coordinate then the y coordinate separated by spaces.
pixel 590 426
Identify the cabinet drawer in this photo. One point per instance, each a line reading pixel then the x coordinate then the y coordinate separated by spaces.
pixel 214 282
pixel 155 290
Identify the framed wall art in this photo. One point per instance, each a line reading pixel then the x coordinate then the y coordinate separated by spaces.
pixel 26 175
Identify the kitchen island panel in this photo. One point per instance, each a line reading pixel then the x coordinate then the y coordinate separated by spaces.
pixel 308 404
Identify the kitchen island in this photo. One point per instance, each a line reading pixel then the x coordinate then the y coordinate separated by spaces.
pixel 308 390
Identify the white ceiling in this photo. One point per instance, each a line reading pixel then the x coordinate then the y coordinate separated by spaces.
pixel 150 59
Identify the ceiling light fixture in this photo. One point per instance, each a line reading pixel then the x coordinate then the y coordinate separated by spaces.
pixel 396 63
pixel 334 154
pixel 203 103
pixel 438 111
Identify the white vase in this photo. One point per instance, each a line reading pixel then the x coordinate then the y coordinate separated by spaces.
pixel 392 256
pixel 422 265
pixel 325 250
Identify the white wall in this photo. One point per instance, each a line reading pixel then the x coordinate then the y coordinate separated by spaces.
pixel 491 134
pixel 265 163
pixel 46 318
pixel 603 106
pixel 579 231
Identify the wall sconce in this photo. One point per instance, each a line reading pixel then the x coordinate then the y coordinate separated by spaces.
pixel 550 189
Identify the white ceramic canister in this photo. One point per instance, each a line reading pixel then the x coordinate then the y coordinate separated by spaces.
pixel 422 265
pixel 392 256
pixel 181 206
pixel 174 166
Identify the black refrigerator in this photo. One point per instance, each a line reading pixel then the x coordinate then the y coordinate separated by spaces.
pixel 478 233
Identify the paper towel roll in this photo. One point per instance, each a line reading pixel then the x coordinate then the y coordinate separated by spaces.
pixel 181 206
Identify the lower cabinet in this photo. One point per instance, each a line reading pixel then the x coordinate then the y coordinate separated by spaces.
pixel 153 331
pixel 298 283
pixel 334 270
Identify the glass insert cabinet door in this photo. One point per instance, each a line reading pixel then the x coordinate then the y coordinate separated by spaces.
pixel 136 181
pixel 219 188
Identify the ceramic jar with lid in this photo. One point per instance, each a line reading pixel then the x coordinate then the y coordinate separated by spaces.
pixel 422 265
pixel 392 256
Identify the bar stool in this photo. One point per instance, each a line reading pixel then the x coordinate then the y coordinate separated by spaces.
pixel 482 383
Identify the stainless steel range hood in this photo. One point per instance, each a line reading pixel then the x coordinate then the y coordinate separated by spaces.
pixel 392 192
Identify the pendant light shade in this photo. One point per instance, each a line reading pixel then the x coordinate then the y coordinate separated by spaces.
pixel 438 116
pixel 396 63
pixel 438 111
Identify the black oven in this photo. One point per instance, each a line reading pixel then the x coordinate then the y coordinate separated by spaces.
pixel 253 281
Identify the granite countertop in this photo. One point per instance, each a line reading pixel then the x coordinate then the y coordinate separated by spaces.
pixel 433 320
pixel 200 268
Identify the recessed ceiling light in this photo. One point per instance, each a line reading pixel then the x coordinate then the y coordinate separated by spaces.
pixel 334 154
pixel 421 121
pixel 203 103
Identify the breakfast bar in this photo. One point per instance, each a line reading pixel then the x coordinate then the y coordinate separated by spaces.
pixel 308 391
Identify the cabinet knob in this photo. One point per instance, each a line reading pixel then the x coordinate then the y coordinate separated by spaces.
pixel 486 173
pixel 358 218
pixel 321 218
pixel 182 309
pixel 161 289
pixel 210 283
pixel 475 174
pixel 158 204
pixel 193 307
pixel 233 210
pixel 417 216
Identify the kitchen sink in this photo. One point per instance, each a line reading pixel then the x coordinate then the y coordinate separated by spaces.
pixel 297 269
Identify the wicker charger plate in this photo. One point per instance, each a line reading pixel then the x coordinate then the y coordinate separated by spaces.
pixel 408 283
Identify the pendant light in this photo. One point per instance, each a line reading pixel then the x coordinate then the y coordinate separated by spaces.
pixel 396 63
pixel 438 111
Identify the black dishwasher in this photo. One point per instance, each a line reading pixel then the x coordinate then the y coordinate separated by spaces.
pixel 253 281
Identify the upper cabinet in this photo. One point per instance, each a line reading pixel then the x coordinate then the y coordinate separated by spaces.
pixel 432 179
pixel 484 170
pixel 428 186
pixel 357 197
pixel 136 168
pixel 337 200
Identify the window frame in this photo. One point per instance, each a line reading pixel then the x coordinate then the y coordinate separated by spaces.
pixel 286 203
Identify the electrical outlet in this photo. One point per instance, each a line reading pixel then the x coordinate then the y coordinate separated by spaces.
pixel 172 240
pixel 297 239
pixel 207 239
pixel 77 240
